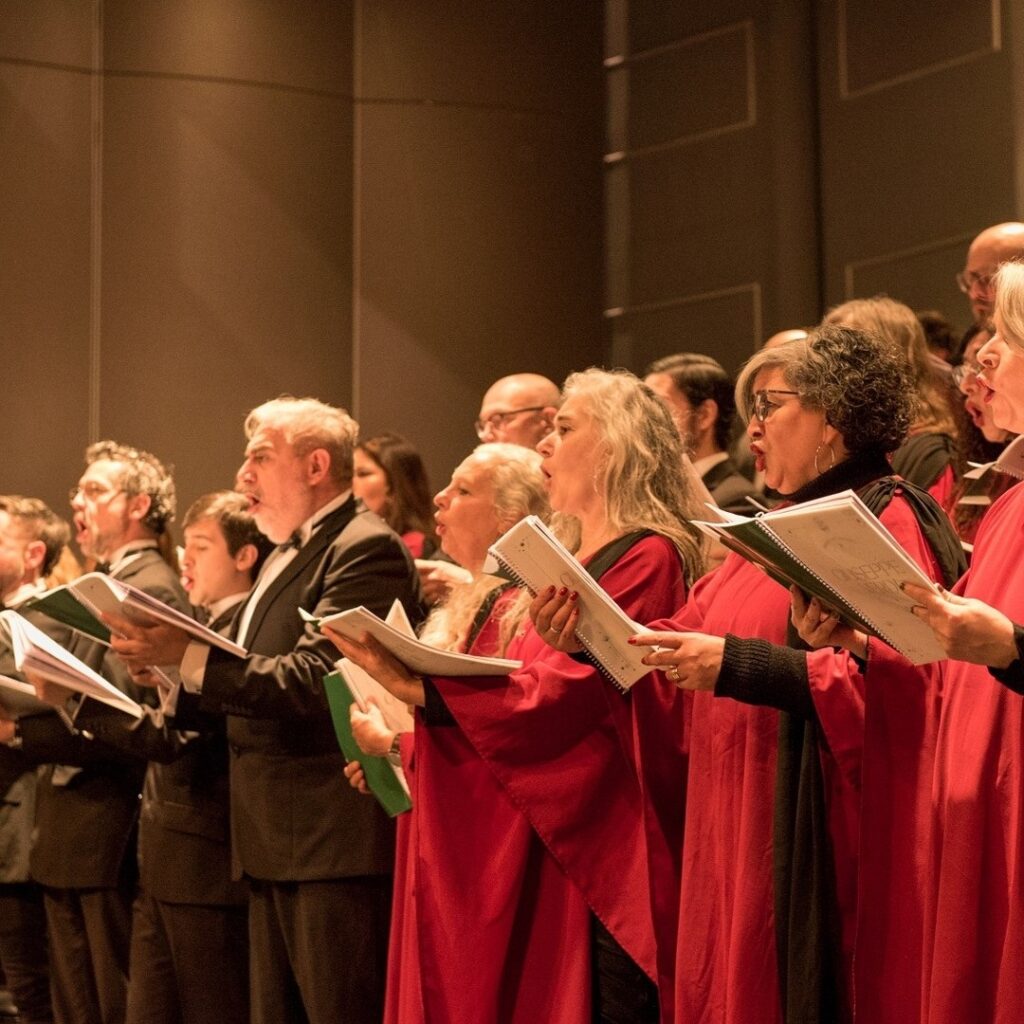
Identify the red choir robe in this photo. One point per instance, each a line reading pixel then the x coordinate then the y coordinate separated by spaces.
pixel 974 932
pixel 881 727
pixel 727 968
pixel 573 828
pixel 461 830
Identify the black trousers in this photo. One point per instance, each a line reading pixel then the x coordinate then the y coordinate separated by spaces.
pixel 319 950
pixel 90 931
pixel 622 994
pixel 189 964
pixel 23 951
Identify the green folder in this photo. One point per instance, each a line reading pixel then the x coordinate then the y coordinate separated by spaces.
pixel 380 774
pixel 62 605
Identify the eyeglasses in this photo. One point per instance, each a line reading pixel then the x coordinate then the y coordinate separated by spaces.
pixel 964 370
pixel 763 408
pixel 93 492
pixel 497 419
pixel 968 280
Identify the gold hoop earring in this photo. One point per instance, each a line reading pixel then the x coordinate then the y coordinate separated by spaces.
pixel 831 457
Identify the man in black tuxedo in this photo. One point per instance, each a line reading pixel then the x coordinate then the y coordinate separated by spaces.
pixel 32 539
pixel 88 802
pixel 317 854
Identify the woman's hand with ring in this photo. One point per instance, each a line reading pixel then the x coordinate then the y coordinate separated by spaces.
pixel 690 660
pixel 555 615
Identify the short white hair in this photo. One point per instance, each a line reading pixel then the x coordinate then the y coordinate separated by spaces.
pixel 307 424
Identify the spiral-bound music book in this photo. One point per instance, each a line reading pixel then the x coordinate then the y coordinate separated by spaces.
pixel 834 549
pixel 532 555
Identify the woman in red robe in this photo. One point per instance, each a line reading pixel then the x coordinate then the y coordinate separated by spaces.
pixel 975 924
pixel 583 857
pixel 768 922
pixel 490 491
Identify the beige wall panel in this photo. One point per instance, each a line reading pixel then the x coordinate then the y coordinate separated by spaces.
pixel 302 44
pixel 726 325
pixel 49 31
pixel 478 191
pixel 523 55
pixel 44 287
pixel 480 243
pixel 226 263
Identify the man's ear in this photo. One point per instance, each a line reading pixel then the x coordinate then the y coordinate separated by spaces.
pixel 139 506
pixel 35 555
pixel 318 466
pixel 245 557
pixel 706 413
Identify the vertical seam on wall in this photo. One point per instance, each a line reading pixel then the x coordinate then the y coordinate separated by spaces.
pixel 357 181
pixel 95 223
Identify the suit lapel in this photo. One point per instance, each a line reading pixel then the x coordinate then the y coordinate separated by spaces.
pixel 716 474
pixel 146 557
pixel 318 543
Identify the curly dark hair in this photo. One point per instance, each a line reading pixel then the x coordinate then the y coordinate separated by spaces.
pixel 862 384
pixel 142 473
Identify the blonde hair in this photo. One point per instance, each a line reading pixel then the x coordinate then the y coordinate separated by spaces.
pixel 639 465
pixel 1009 283
pixel 518 489
pixel 897 324
pixel 307 424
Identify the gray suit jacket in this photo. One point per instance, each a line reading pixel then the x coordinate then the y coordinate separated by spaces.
pixel 86 828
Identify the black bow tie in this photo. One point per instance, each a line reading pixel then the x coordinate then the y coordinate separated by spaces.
pixel 294 541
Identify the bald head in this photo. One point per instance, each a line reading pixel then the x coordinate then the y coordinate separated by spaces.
pixel 783 337
pixel 518 409
pixel 995 245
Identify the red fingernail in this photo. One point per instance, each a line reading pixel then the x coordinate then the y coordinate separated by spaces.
pixel 632 640
pixel 563 592
pixel 550 591
pixel 573 596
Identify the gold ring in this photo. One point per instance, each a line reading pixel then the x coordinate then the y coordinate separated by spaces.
pixel 673 674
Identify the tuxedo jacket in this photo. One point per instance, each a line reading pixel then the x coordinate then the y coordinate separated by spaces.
pixel 184 848
pixel 19 773
pixel 86 823
pixel 294 817
pixel 729 487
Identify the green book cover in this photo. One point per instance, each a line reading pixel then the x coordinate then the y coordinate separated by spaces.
pixel 380 775
pixel 62 605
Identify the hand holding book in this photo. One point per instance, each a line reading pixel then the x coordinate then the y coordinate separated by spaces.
pixel 968 629
pixel 555 614
pixel 373 658
pixel 820 626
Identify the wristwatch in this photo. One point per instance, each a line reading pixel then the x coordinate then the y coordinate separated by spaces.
pixel 394 754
